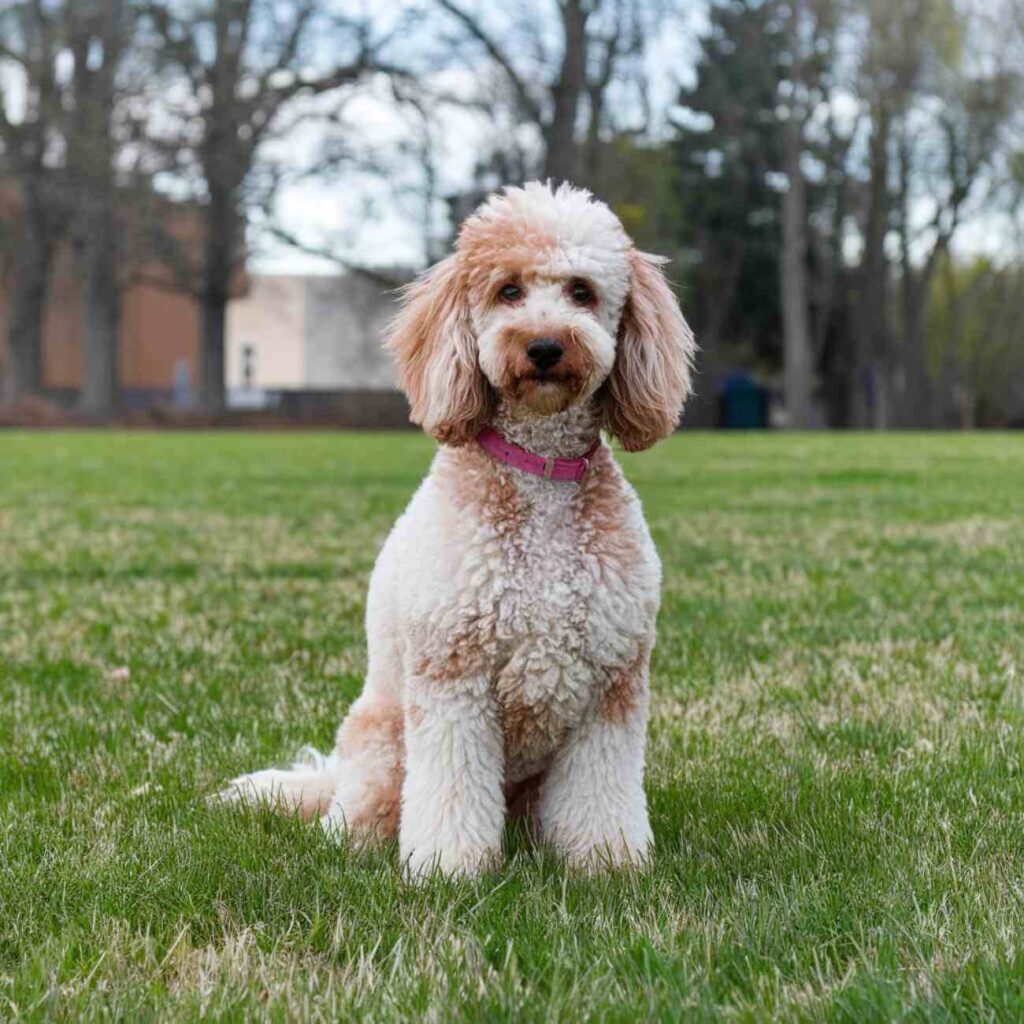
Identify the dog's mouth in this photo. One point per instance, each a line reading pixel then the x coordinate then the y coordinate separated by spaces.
pixel 552 376
pixel 546 391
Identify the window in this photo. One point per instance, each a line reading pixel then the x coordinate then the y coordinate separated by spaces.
pixel 248 366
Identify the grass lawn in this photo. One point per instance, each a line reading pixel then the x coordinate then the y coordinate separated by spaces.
pixel 835 772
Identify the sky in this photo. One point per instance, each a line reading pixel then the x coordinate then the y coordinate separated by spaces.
pixel 373 219
pixel 358 214
pixel 378 219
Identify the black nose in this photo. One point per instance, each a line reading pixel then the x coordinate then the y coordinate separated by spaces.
pixel 544 352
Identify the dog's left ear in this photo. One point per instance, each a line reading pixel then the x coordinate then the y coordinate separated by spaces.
pixel 435 349
pixel 650 380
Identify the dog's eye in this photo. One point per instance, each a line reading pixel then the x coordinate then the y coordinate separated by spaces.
pixel 510 293
pixel 580 293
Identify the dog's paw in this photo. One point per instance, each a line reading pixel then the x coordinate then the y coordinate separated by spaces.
pixel 337 830
pixel 610 853
pixel 451 862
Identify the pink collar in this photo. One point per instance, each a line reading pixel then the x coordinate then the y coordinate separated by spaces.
pixel 565 470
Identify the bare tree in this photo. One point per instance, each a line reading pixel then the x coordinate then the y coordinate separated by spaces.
pixel 61 155
pixel 949 166
pixel 600 42
pixel 797 353
pixel 30 41
pixel 99 34
pixel 891 40
pixel 233 68
pixel 935 114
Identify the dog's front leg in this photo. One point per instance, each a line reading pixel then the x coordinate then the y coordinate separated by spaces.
pixel 592 805
pixel 453 804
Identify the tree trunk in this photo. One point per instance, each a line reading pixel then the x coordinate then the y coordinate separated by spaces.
pixel 97 39
pixel 101 313
pixel 23 362
pixel 702 411
pixel 797 355
pixel 916 405
pixel 913 400
pixel 590 154
pixel 869 397
pixel 220 231
pixel 837 346
pixel 562 149
pixel 836 396
pixel 213 310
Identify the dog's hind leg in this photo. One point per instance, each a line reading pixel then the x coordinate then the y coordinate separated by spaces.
pixel 369 760
pixel 358 787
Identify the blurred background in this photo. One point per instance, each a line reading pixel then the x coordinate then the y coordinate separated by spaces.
pixel 206 206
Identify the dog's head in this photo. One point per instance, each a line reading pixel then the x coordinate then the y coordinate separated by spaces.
pixel 545 303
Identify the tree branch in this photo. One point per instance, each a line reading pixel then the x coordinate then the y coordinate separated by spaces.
pixel 526 101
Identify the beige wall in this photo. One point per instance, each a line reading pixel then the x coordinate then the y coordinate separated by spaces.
pixel 345 323
pixel 313 333
pixel 271 318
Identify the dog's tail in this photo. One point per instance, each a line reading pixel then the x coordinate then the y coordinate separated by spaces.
pixel 306 788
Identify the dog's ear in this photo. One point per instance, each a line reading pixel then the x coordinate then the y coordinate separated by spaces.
pixel 650 380
pixel 433 344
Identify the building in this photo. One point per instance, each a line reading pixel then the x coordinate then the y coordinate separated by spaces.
pixel 159 344
pixel 305 347
pixel 160 326
pixel 312 347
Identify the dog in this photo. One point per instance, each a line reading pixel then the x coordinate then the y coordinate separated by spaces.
pixel 511 612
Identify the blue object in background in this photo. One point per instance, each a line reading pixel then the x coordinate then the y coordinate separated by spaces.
pixel 182 385
pixel 744 403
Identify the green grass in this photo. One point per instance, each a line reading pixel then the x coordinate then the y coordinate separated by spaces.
pixel 836 765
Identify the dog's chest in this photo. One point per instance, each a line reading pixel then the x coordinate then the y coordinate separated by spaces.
pixel 564 609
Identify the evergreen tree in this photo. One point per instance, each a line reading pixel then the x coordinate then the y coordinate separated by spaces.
pixel 727 159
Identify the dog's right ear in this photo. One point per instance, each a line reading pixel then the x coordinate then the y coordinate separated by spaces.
pixel 433 344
